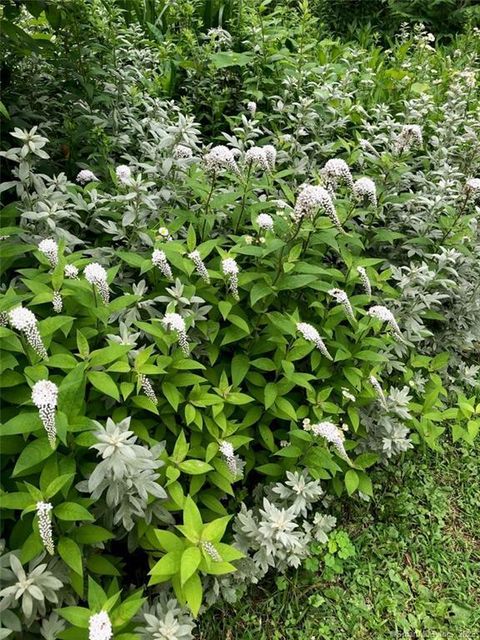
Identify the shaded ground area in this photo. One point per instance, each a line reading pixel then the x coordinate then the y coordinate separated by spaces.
pixel 415 572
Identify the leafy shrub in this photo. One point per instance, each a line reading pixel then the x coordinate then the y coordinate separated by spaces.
pixel 205 344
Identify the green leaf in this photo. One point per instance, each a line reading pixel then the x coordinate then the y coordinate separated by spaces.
pixel 191 558
pixel 33 454
pixel 78 616
pixel 169 565
pixel 22 423
pixel 193 593
pixel 57 485
pixel 16 500
pixel 125 612
pixel 194 467
pixel 239 368
pixel 168 541
pixel 71 511
pixel 215 530
pixel 70 553
pixel 91 534
pixel 103 566
pixel 258 291
pixel 104 383
pixel 191 517
pixel 270 393
pixel 351 481
pixel 171 394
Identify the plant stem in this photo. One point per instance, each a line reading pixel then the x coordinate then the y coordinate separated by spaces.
pixel 244 198
pixel 207 204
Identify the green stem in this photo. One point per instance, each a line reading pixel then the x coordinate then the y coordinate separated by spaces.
pixel 244 198
pixel 207 204
pixel 456 219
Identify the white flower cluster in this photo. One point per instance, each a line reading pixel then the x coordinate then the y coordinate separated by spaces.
pixel 71 271
pixel 196 258
pixel 220 158
pixel 365 188
pixel 230 269
pixel 310 199
pixel 335 171
pixel 159 259
pixel 45 525
pixel 97 277
pixel 311 334
pixel 252 107
pixel 44 397
pixel 85 175
pixel 220 36
pixel 123 173
pixel 181 152
pixel 473 185
pixel 25 321
pixel 49 248
pixel 255 156
pixel 364 280
pixel 330 432
pixel 164 234
pixel 348 395
pixel 175 322
pixel 409 136
pixel 264 221
pixel 227 451
pixel 100 627
pixel 342 298
pixel 147 388
pixel 378 390
pixel 385 315
pixel 211 551
pixel 57 302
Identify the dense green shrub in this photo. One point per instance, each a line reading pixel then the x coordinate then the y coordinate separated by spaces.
pixel 205 344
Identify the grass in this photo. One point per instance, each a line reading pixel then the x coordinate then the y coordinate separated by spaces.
pixel 415 572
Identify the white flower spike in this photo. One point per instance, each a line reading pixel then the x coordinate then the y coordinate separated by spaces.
pixel 25 321
pixel 44 397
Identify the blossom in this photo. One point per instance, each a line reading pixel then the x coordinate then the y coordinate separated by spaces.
pixel 337 170
pixel 199 265
pixel 45 526
pixel 44 397
pixel 97 276
pixel 252 107
pixel 264 221
pixel 385 315
pixel 147 388
pixel 330 432
pixel 365 281
pixel 164 234
pixel 220 157
pixel 159 259
pixel 181 152
pixel 349 396
pixel 271 155
pixel 230 269
pixel 100 627
pixel 226 449
pixel 342 298
pixel 123 173
pixel 365 188
pixel 71 271
pixel 221 37
pixel 473 185
pixel 177 323
pixel 310 199
pixel 409 136
pixel 378 390
pixel 49 248
pixel 85 175
pixel 57 302
pixel 25 321
pixel 310 334
pixel 211 551
pixel 256 156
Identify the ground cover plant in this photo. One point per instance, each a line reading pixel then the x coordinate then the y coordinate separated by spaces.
pixel 221 313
